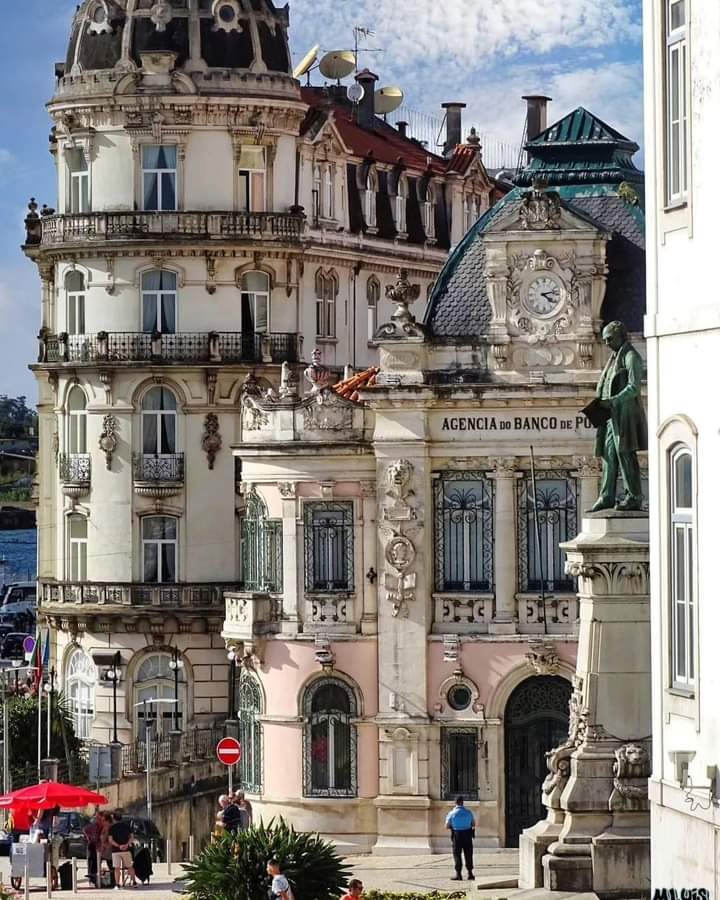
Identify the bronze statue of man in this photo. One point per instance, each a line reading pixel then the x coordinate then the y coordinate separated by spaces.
pixel 624 429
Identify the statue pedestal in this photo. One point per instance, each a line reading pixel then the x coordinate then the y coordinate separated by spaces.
pixel 601 772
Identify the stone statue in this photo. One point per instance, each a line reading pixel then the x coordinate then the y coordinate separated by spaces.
pixel 619 416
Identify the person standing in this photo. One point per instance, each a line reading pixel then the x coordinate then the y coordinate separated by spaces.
pixel 355 890
pixel 280 888
pixel 121 837
pixel 460 822
pixel 93 835
pixel 244 804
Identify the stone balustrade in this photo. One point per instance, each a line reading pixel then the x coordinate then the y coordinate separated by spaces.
pixel 249 614
pixel 121 595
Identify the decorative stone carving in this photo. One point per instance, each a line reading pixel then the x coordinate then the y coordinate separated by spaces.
pixel 558 763
pixel 211 439
pixel 323 653
pixel 577 725
pixel 402 324
pixel 316 374
pixel 451 648
pixel 610 578
pixel 398 477
pixel 328 412
pixel 289 384
pixel 504 466
pixel 211 267
pixel 253 418
pixel 107 441
pixel 400 552
pixel 587 466
pixel 542 657
pixel 288 489
pixel 106 379
pixel 631 771
pixel 540 210
pixel 211 381
pixel 161 15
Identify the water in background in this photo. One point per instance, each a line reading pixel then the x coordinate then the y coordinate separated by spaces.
pixel 18 555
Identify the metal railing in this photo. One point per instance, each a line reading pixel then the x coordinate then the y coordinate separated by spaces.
pixel 197 595
pixel 74 468
pixel 164 467
pixel 183 347
pixel 131 225
pixel 187 746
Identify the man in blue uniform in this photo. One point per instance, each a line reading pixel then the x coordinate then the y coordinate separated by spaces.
pixel 461 825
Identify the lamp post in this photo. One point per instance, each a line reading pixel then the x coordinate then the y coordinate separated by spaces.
pixel 113 674
pixel 232 660
pixel 176 665
pixel 49 688
pixel 148 752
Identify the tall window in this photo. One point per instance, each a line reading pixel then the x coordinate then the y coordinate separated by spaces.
pixel 326 291
pixel 255 299
pixel 370 200
pixel 155 679
pixel 77 421
pixel 459 763
pixel 676 100
pixel 79 181
pixel 471 211
pixel 373 301
pixel 249 709
pixel 261 547
pixel 317 192
pixel 330 740
pixel 463 532
pixel 252 179
pixel 159 177
pixel 159 302
pixel 159 546
pixel 159 421
pixel 80 681
pixel 328 194
pixel 548 519
pixel 401 199
pixel 428 210
pixel 682 588
pixel 329 551
pixel 77 548
pixel 75 293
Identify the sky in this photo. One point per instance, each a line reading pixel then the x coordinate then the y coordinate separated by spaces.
pixel 486 53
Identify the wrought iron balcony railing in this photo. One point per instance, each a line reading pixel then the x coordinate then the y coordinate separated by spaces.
pixel 163 467
pixel 185 347
pixel 74 468
pixel 190 596
pixel 94 227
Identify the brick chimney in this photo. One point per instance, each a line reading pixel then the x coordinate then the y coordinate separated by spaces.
pixel 366 107
pixel 453 129
pixel 536 114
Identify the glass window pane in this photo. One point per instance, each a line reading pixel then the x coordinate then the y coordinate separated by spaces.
pixel 677 15
pixel 252 158
pixel 150 191
pixel 342 762
pixel 167 323
pixel 167 434
pixel 261 313
pixel 78 527
pixel 76 400
pixel 150 316
pixel 150 567
pixel 152 281
pixel 74 281
pixel 683 481
pixel 150 434
pixel 168 562
pixel 319 752
pixel 151 156
pixel 244 192
pixel 168 191
pixel 255 282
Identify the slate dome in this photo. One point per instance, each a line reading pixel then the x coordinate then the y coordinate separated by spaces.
pixel 248 35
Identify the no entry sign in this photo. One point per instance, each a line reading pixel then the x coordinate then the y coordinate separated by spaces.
pixel 229 751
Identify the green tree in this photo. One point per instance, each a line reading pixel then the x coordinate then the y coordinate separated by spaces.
pixel 23 734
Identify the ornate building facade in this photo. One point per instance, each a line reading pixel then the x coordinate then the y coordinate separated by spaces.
pixel 407 622
pixel 213 218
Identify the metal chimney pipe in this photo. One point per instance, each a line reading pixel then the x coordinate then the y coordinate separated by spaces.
pixel 366 107
pixel 453 131
pixel 536 114
pixel 402 127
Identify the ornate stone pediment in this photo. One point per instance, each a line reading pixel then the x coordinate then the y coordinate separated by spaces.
pixel 326 411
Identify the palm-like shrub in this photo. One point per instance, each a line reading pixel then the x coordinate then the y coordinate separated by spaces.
pixel 233 867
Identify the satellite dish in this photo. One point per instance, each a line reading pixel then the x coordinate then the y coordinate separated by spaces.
pixel 306 63
pixel 387 99
pixel 337 64
pixel 355 92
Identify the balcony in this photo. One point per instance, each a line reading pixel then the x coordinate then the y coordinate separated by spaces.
pixel 230 347
pixel 121 597
pixel 158 475
pixel 249 614
pixel 74 470
pixel 131 226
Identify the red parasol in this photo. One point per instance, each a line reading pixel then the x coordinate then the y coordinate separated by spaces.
pixel 51 793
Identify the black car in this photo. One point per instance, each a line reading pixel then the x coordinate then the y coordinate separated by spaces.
pixel 12 646
pixel 146 833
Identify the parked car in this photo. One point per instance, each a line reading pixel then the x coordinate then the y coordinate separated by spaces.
pixel 70 826
pixel 146 833
pixel 20 592
pixel 12 645
pixel 19 606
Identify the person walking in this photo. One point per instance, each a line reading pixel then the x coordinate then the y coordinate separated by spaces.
pixel 461 825
pixel 280 887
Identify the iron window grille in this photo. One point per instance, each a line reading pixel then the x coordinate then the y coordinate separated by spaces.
pixel 249 708
pixel 160 467
pixel 557 518
pixel 464 532
pixel 74 468
pixel 459 763
pixel 329 551
pixel 261 547
pixel 329 740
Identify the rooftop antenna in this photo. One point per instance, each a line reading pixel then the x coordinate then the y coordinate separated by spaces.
pixel 359 31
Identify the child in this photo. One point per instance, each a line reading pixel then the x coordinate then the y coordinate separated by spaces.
pixel 355 890
pixel 280 889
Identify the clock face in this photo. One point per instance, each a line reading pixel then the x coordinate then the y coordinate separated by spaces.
pixel 543 296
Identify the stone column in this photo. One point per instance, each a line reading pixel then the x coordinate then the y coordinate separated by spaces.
pixel 604 841
pixel 588 470
pixel 292 545
pixel 505 547
pixel 369 623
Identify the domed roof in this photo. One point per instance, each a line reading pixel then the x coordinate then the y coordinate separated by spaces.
pixel 246 35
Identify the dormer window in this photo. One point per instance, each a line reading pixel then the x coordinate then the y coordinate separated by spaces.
pixel 370 200
pixel 401 199
pixel 428 210
pixel 79 181
pixel 252 174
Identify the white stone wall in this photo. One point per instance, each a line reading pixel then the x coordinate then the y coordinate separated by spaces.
pixel 683 339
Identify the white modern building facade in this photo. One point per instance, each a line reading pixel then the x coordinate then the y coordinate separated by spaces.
pixel 682 72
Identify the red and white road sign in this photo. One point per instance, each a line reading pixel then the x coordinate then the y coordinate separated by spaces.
pixel 229 751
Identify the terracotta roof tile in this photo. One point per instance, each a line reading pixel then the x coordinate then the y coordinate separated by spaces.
pixel 349 388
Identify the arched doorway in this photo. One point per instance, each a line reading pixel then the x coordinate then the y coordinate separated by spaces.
pixel 536 720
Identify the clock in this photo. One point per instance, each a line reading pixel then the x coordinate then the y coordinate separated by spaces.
pixel 544 295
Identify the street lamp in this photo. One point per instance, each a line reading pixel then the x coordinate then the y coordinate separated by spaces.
pixel 49 688
pixel 113 674
pixel 148 752
pixel 176 665
pixel 233 660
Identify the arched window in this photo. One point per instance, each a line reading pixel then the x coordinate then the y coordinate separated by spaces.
pixel 261 547
pixel 326 291
pixel 77 421
pixel 682 586
pixel 77 531
pixel 428 209
pixel 75 293
pixel 373 301
pixel 249 708
pixel 159 302
pixel 159 421
pixel 155 679
pixel 80 681
pixel 255 298
pixel 159 549
pixel 370 199
pixel 330 739
pixel 401 199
